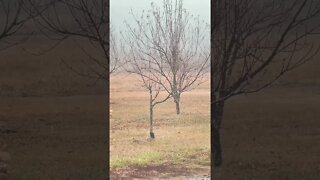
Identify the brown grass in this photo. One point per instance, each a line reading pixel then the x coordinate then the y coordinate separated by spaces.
pixel 272 135
pixel 58 120
pixel 56 137
pixel 180 139
pixel 59 125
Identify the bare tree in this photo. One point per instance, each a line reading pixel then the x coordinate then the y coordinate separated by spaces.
pixel 82 20
pixel 116 60
pixel 12 20
pixel 175 43
pixel 149 82
pixel 253 44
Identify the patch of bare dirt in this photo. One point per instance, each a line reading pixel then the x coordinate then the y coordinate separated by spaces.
pixel 163 171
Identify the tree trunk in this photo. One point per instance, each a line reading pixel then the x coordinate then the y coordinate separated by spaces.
pixel 151 118
pixel 177 101
pixel 176 94
pixel 217 115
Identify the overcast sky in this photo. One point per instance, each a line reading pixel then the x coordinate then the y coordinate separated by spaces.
pixel 119 9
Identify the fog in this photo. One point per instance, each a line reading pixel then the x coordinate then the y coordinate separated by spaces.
pixel 119 9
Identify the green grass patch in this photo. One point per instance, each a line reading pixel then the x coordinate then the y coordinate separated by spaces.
pixel 192 155
pixel 138 160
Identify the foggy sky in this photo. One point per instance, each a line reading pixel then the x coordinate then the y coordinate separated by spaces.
pixel 119 9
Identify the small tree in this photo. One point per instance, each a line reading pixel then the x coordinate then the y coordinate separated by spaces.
pixel 150 81
pixel 174 42
pixel 254 43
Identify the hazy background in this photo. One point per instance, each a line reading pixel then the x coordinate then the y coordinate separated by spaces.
pixel 119 9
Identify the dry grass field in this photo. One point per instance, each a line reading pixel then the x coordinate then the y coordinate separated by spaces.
pixel 55 138
pixel 272 135
pixel 53 124
pixel 52 121
pixel 182 144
